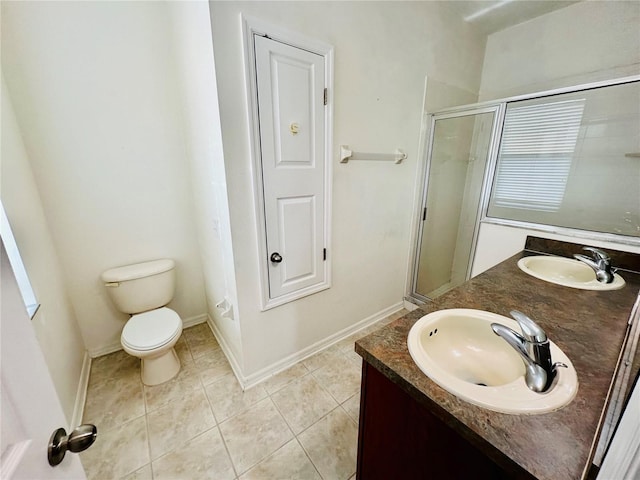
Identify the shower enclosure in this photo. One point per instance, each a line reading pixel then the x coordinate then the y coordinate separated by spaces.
pixel 565 161
pixel 460 144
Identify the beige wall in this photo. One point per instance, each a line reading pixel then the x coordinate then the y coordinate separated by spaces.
pixel 55 321
pixel 95 93
pixel 585 42
pixel 383 51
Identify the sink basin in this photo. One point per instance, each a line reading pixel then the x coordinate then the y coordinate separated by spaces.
pixel 458 350
pixel 566 272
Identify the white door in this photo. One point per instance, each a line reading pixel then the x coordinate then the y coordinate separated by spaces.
pixel 31 410
pixel 291 103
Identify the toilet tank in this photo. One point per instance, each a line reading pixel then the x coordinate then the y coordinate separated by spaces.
pixel 141 287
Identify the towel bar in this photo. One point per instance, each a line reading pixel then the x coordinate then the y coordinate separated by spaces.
pixel 347 154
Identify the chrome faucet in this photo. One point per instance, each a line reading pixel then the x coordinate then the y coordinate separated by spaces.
pixel 534 348
pixel 601 263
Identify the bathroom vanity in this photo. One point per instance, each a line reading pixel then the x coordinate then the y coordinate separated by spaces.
pixel 411 428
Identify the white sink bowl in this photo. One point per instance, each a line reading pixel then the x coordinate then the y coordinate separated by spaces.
pixel 458 350
pixel 566 272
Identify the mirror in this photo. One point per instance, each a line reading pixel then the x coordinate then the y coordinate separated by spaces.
pixel 567 161
pixel 572 160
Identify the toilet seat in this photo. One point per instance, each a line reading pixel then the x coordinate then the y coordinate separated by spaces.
pixel 151 330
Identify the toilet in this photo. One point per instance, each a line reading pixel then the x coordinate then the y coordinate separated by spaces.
pixel 142 290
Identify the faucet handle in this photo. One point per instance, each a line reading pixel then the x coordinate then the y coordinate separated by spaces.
pixel 597 253
pixel 531 331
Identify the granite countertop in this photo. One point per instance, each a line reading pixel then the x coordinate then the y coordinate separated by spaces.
pixel 589 326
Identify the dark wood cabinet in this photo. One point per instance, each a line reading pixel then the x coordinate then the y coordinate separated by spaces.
pixel 399 438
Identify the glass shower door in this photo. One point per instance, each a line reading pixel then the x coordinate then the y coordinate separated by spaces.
pixel 457 161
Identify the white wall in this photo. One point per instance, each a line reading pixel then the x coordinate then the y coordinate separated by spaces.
pixel 383 51
pixel 95 94
pixel 55 321
pixel 193 49
pixel 585 42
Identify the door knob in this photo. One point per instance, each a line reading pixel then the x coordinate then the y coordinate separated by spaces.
pixel 77 441
pixel 276 257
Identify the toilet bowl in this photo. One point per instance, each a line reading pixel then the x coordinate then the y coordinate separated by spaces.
pixel 152 336
pixel 143 290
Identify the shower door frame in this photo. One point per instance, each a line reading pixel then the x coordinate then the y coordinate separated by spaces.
pixel 498 110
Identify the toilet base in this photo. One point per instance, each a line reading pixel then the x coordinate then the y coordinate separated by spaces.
pixel 160 369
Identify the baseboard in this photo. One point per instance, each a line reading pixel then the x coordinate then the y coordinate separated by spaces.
pixel 106 350
pixel 195 320
pixel 115 347
pixel 287 362
pixel 233 361
pixel 81 394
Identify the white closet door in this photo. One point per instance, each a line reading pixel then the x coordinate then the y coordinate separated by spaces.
pixel 292 129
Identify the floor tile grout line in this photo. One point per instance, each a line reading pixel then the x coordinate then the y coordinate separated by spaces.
pixel 146 424
pixel 348 416
pixel 264 458
pixel 322 387
pixel 224 442
pixel 216 424
pixel 338 406
pixel 327 390
pixel 308 372
pixel 305 450
pixel 343 407
pixel 315 467
pixel 185 442
pixel 288 383
pixel 243 410
pixel 281 415
pixel 202 388
pixel 226 449
pixel 319 419
pixel 293 436
pixel 186 342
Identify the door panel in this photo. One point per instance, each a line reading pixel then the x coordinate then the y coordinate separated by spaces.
pixel 297 221
pixel 29 404
pixel 293 111
pixel 292 129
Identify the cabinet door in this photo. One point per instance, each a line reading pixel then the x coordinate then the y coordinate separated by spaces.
pixel 291 107
pixel 400 438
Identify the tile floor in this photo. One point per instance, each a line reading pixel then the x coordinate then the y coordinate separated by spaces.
pixel 300 424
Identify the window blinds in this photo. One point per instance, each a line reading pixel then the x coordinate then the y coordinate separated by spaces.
pixel 538 142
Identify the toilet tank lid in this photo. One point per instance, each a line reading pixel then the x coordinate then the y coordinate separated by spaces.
pixel 138 270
